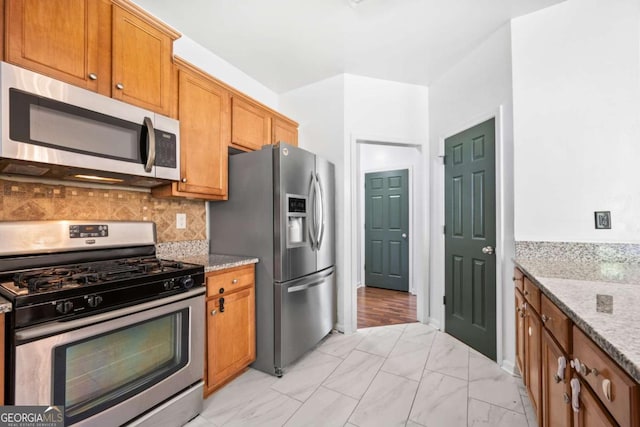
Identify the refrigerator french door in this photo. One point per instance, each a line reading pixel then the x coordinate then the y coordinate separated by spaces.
pixel 281 209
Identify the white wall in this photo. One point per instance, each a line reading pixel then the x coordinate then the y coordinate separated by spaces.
pixel 476 89
pixel 334 114
pixel 576 88
pixel 319 110
pixel 384 157
pixel 194 53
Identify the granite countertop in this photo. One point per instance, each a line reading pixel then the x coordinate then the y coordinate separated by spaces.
pixel 215 262
pixel 5 306
pixel 601 298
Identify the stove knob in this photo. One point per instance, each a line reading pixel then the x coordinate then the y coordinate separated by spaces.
pixel 168 285
pixel 64 307
pixel 94 300
pixel 186 282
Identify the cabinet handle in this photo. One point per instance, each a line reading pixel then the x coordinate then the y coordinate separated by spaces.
pixel 184 180
pixel 583 369
pixel 93 76
pixel 575 395
pixel 119 86
pixel 606 389
pixel 213 312
pixel 545 318
pixel 562 365
pixel 234 281
pixel 221 305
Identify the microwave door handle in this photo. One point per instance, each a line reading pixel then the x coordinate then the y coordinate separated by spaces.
pixel 311 194
pixel 319 201
pixel 151 145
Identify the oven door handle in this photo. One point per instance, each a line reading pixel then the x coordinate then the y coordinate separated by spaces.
pixel 53 328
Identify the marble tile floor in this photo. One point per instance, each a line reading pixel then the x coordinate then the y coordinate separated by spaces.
pixel 399 375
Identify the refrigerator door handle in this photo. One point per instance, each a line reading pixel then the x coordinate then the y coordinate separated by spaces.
pixel 305 286
pixel 319 201
pixel 312 218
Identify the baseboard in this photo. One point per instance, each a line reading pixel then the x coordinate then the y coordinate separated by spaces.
pixel 434 323
pixel 510 367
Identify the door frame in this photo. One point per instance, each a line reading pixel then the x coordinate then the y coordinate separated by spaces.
pixel 498 114
pixel 360 223
pixel 352 191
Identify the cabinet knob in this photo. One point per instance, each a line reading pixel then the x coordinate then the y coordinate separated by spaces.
pixel 566 398
pixel 221 290
pixel 184 180
pixel 545 318
pixel 93 76
pixel 234 281
pixel 526 292
pixel 514 279
pixel 119 86
pixel 213 312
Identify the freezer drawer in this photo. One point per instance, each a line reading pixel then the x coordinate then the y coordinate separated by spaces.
pixel 304 313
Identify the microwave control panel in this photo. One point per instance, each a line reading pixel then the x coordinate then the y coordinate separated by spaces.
pixel 166 149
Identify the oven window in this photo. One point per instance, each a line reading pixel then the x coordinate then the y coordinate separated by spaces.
pixel 97 373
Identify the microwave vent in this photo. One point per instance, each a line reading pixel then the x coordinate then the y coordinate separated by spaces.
pixel 24 169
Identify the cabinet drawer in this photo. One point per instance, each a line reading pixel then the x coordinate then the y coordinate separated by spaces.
pixel 532 294
pixel 518 278
pixel 623 401
pixel 556 322
pixel 225 281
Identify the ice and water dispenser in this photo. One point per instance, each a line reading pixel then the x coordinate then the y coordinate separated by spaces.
pixel 296 220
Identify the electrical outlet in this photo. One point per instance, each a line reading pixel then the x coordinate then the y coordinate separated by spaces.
pixel 181 221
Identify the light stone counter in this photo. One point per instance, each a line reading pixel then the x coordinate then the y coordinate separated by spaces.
pixel 214 262
pixel 5 306
pixel 601 298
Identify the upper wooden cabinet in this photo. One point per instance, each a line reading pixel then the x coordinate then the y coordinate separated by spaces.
pixel 141 59
pixel 284 130
pixel 69 40
pixel 110 47
pixel 204 114
pixel 250 124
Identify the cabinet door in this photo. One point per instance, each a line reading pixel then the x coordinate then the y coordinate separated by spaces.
pixel 141 62
pixel 231 337
pixel 69 40
pixel 590 413
pixel 250 124
pixel 520 333
pixel 203 110
pixel 284 131
pixel 533 363
pixel 556 403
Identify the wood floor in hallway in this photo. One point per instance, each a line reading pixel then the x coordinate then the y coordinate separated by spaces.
pixel 379 307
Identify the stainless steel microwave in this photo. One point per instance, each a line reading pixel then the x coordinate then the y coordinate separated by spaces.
pixel 52 129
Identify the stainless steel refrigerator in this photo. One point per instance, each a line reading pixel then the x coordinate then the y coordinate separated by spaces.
pixel 281 209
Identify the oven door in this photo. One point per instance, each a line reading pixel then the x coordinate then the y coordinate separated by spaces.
pixel 110 368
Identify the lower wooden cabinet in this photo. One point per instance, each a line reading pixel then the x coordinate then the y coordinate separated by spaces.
pixel 231 331
pixel 589 412
pixel 533 363
pixel 556 392
pixel 520 326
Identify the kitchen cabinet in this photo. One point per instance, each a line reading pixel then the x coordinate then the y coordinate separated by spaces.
pixel 520 331
pixel 110 47
pixel 69 40
pixel 204 114
pixel 607 396
pixel 556 393
pixel 250 124
pixel 284 130
pixel 533 363
pixel 231 332
pixel 590 412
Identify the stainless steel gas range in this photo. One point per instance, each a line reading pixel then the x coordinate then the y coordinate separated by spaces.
pixel 100 325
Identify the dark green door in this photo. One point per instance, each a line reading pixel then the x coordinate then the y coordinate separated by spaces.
pixel 386 254
pixel 470 237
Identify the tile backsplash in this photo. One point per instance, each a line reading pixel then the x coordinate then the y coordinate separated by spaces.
pixel 23 201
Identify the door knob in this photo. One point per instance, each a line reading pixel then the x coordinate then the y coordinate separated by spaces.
pixel 404 235
pixel 487 250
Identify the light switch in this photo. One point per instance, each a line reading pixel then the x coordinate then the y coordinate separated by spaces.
pixel 181 221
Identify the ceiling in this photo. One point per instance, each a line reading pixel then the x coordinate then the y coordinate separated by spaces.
pixel 285 44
